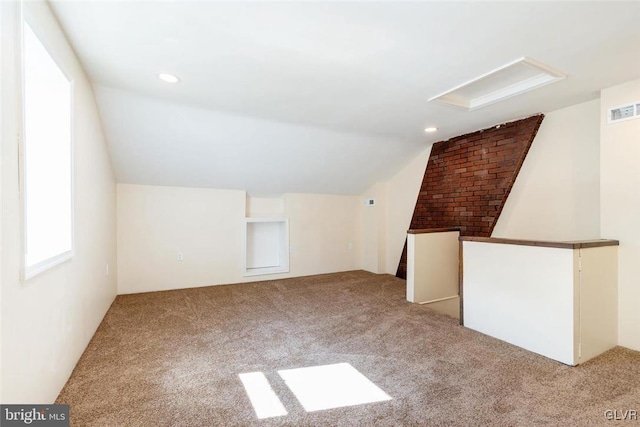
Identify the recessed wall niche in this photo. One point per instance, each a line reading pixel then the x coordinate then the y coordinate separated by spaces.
pixel 266 244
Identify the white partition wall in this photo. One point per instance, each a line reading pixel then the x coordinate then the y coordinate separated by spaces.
pixel 555 299
pixel 432 269
pixel 521 294
pixel 598 300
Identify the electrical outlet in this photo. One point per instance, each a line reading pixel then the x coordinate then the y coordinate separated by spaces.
pixel 180 256
pixel 106 269
pixel 350 246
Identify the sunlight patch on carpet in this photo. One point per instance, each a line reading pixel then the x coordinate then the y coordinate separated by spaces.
pixel 331 386
pixel 264 400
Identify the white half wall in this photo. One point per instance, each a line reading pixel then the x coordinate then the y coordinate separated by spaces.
pixel 206 226
pixel 620 197
pixel 432 266
pixel 48 320
pixel 556 195
pixel 524 295
pixel 558 302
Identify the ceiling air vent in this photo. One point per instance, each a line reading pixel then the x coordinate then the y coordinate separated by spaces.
pixel 514 78
pixel 626 112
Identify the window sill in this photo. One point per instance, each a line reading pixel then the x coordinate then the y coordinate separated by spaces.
pixel 42 266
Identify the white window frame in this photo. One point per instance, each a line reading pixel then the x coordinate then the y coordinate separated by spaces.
pixel 27 272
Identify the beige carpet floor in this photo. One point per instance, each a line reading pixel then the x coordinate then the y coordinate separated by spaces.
pixel 173 359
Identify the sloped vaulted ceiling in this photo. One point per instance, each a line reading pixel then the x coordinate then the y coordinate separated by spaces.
pixel 324 97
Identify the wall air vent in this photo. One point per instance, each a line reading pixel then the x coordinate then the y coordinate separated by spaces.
pixel 514 78
pixel 625 112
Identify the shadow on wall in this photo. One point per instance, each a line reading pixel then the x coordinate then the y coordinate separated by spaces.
pixel 468 179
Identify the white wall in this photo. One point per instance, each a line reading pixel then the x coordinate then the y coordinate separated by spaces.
pixel 402 194
pixel 374 226
pixel 48 320
pixel 558 302
pixel 265 206
pixel 620 208
pixel 556 195
pixel 156 223
pixel 206 225
pixel 6 96
pixel 523 295
pixel 386 223
pixel 321 226
pixel 432 266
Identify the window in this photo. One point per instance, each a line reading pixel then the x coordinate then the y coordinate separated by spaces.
pixel 47 162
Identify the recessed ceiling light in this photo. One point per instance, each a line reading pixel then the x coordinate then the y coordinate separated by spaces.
pixel 169 78
pixel 430 129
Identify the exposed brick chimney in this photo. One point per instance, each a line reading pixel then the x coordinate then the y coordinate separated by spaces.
pixel 469 177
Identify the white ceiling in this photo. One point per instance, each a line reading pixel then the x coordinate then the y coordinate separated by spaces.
pixel 325 97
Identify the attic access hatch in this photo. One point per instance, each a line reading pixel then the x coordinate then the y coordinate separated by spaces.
pixel 514 78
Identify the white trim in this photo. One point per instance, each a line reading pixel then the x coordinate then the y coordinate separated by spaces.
pixel 266 219
pixel 265 270
pixel 439 299
pixel 45 265
pixel 27 272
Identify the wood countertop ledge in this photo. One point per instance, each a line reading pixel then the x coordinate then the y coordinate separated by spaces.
pixel 575 244
pixel 432 230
